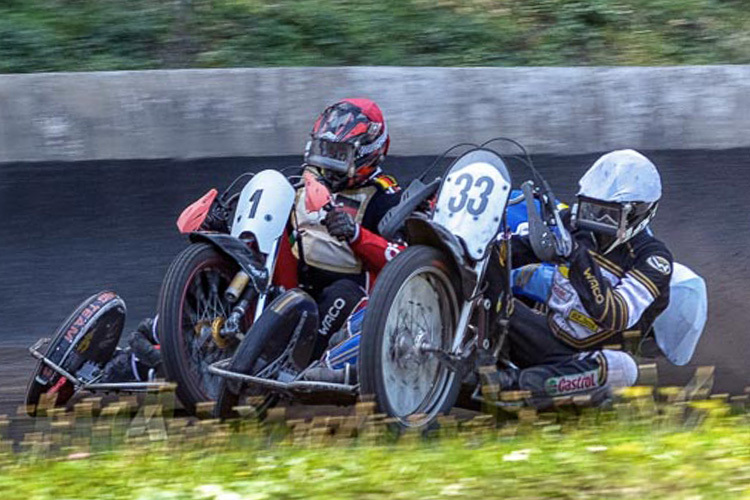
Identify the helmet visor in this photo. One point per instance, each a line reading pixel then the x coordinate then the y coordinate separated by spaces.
pixel 336 157
pixel 601 217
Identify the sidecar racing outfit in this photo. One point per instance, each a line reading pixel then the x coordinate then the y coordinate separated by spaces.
pixel 338 249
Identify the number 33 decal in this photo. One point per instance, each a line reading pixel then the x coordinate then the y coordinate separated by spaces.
pixel 466 181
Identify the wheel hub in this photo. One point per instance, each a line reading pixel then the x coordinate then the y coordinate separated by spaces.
pixel 216 326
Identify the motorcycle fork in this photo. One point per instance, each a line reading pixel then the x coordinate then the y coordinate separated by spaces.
pixel 246 294
pixel 462 355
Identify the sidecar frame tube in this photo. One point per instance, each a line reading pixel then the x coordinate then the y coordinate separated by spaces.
pixel 289 388
pixel 81 385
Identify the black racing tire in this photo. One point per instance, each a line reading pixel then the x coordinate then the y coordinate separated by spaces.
pixel 244 360
pixel 185 362
pixel 267 340
pixel 426 263
pixel 100 348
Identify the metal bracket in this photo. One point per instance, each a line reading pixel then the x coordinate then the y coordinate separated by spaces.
pixel 460 365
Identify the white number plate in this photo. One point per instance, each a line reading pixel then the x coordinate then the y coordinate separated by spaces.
pixel 263 209
pixel 471 204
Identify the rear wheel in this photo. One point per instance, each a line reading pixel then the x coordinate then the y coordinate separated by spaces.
pixel 192 309
pixel 413 310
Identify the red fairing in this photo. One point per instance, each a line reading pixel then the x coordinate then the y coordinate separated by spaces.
pixel 193 216
pixel 374 250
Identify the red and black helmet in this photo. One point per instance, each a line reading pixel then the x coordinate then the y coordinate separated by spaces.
pixel 349 140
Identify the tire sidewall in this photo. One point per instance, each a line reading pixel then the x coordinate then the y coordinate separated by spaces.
pixel 182 271
pixel 390 280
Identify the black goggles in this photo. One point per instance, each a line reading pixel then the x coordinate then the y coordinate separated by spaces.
pixel 602 217
pixel 337 157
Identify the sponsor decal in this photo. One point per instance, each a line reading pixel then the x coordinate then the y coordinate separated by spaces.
pixel 87 314
pixel 660 264
pixel 568 384
pixel 369 148
pixel 583 320
pixel 333 312
pixel 596 290
pixel 560 292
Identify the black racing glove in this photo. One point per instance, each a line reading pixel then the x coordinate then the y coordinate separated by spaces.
pixel 341 225
pixel 217 218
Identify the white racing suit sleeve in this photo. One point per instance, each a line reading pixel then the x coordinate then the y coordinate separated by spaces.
pixel 616 308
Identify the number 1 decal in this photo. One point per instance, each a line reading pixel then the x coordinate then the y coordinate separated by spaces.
pixel 255 200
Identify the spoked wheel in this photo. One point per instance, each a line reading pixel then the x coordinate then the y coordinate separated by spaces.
pixel 192 311
pixel 412 312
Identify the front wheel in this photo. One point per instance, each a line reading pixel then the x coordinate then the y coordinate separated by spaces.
pixel 192 309
pixel 413 311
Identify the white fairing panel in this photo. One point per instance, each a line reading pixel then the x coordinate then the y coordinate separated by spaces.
pixel 472 200
pixel 263 209
pixel 678 329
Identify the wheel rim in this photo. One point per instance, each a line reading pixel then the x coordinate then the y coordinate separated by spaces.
pixel 422 317
pixel 203 307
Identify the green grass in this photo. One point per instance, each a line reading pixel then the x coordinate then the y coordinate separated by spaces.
pixel 78 35
pixel 638 450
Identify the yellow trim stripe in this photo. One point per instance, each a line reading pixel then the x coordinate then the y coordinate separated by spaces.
pixel 578 343
pixel 607 305
pixel 625 314
pixel 643 279
pixel 608 265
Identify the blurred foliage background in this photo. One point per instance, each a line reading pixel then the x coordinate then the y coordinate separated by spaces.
pixel 94 35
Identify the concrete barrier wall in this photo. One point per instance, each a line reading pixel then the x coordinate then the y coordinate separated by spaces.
pixel 250 112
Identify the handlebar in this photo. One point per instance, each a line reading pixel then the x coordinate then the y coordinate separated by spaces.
pixel 549 239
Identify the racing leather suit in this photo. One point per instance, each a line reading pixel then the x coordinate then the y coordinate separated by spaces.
pixel 338 274
pixel 323 259
pixel 596 304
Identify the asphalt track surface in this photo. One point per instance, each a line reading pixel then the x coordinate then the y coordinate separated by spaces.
pixel 71 229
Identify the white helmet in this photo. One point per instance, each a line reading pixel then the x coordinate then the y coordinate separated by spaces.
pixel 618 197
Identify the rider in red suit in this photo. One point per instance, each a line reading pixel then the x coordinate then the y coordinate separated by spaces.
pixel 338 249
